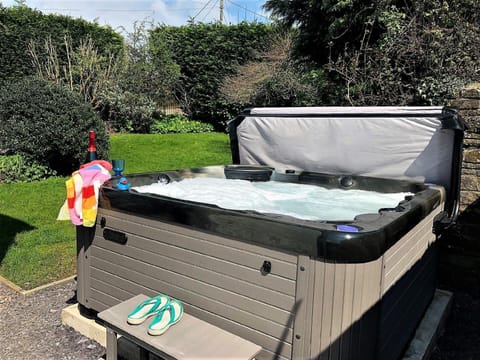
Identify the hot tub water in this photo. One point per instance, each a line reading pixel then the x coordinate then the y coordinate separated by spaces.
pixel 307 202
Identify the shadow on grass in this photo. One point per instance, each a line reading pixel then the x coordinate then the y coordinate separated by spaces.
pixel 10 227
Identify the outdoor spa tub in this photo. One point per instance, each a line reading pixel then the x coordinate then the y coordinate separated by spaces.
pixel 324 283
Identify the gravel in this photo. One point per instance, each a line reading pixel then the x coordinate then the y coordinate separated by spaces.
pixel 31 326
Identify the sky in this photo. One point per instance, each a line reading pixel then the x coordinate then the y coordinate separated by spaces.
pixel 122 14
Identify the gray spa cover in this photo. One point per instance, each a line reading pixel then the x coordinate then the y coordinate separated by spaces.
pixel 386 142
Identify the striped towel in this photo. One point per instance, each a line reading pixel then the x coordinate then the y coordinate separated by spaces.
pixel 82 191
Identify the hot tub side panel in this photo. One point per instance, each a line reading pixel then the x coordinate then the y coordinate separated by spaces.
pixel 304 308
pixel 344 310
pixel 368 310
pixel 218 279
pixel 408 286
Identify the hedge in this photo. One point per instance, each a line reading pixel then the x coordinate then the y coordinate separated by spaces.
pixel 20 24
pixel 206 53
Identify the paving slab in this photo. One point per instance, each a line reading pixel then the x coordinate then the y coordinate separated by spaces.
pixel 88 327
pixel 423 343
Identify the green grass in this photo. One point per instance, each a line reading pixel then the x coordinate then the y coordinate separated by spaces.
pixel 143 153
pixel 36 249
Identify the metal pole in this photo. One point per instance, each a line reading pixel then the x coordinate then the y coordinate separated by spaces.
pixel 221 11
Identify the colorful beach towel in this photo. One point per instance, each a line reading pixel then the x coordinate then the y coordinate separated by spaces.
pixel 82 192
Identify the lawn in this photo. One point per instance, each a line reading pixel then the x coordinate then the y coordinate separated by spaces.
pixel 173 151
pixel 36 249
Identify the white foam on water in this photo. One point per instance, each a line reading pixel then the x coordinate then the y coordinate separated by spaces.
pixel 308 202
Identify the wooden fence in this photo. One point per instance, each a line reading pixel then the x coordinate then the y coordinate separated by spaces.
pixel 171 108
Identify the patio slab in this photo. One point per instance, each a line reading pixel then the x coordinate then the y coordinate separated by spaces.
pixel 430 328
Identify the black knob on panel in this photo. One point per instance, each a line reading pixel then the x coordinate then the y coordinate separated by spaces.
pixel 266 267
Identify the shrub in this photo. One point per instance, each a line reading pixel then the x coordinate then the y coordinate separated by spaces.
pixel 15 168
pixel 87 72
pixel 274 79
pixel 124 111
pixel 149 68
pixel 179 124
pixel 48 124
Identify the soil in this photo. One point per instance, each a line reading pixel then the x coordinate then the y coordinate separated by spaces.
pixel 31 327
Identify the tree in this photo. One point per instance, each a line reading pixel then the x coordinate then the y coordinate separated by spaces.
pixel 326 26
pixel 388 52
pixel 426 53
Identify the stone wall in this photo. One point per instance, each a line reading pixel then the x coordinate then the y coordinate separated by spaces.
pixel 469 108
pixel 459 265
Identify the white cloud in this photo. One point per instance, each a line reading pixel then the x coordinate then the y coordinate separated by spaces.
pixel 173 12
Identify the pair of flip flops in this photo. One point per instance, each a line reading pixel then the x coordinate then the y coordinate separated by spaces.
pixel 165 311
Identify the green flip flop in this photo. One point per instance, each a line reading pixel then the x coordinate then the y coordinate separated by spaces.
pixel 148 308
pixel 172 314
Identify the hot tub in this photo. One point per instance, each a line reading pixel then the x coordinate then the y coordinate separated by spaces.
pixel 334 288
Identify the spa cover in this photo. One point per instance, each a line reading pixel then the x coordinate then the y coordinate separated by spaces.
pixel 422 144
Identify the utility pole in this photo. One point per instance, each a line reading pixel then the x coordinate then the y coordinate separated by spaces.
pixel 221 11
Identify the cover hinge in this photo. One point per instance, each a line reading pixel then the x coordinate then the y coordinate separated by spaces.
pixel 441 222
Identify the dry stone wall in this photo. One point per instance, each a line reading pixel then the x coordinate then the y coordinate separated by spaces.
pixel 469 108
pixel 459 265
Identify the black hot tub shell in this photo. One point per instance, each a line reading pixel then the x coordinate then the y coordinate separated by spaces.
pixel 299 288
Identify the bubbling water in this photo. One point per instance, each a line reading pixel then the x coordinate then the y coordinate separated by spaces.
pixel 302 201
